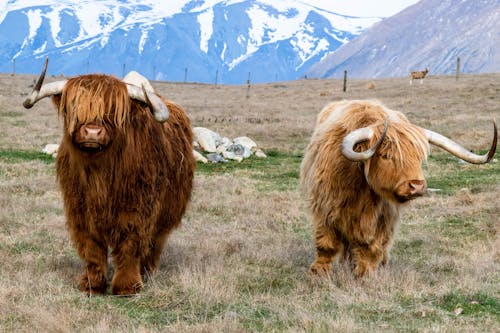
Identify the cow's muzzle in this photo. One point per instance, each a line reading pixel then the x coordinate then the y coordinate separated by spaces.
pixel 410 190
pixel 92 137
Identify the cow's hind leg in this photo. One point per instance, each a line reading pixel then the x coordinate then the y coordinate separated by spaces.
pixel 94 254
pixel 328 246
pixel 150 262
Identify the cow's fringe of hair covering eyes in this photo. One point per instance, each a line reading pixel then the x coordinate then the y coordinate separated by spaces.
pixel 86 99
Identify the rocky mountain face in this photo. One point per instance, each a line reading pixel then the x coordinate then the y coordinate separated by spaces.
pixel 431 33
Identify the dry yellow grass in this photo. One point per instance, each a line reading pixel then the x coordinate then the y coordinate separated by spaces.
pixel 239 262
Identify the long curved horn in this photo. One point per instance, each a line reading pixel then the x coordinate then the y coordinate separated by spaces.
pixel 459 151
pixel 41 91
pixel 160 110
pixel 357 136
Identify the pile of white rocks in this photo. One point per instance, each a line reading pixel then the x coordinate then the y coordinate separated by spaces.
pixel 209 146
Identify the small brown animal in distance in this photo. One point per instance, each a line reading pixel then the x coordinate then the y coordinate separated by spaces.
pixel 363 162
pixel 125 168
pixel 418 75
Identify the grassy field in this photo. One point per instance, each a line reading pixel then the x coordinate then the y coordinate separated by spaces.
pixel 239 262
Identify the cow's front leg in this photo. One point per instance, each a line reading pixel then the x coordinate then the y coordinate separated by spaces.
pixel 385 233
pixel 366 258
pixel 127 277
pixel 131 242
pixel 327 248
pixel 94 254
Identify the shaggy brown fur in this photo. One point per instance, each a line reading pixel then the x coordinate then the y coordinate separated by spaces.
pixel 355 205
pixel 128 195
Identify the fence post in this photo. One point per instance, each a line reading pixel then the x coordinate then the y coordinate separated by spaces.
pixel 458 69
pixel 248 85
pixel 123 71
pixel 248 88
pixel 185 74
pixel 216 76
pixel 345 80
pixel 14 66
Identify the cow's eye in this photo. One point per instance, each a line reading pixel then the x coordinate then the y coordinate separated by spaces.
pixel 385 156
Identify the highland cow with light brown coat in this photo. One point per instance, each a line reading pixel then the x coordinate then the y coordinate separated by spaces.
pixel 362 163
pixel 125 168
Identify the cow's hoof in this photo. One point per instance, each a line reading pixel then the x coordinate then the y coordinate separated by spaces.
pixel 385 260
pixel 126 286
pixel 320 270
pixel 364 270
pixel 95 285
pixel 129 290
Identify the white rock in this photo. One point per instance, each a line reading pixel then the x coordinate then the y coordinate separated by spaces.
pixel 51 149
pixel 137 79
pixel 259 153
pixel 206 138
pixel 222 144
pixel 215 158
pixel 232 156
pixel 236 152
pixel 199 157
pixel 245 141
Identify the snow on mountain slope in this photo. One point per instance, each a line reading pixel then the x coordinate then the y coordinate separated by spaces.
pixel 169 39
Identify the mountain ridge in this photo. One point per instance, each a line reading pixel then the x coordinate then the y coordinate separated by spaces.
pixel 180 40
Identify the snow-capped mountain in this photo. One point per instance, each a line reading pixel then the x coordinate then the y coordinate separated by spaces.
pixel 197 40
pixel 431 33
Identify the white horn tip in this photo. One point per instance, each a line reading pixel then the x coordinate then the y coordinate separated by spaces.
pixel 161 113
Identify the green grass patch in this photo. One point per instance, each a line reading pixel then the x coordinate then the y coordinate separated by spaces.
pixel 279 171
pixel 461 228
pixel 24 247
pixel 258 317
pixel 10 114
pixel 412 247
pixel 38 242
pixel 20 123
pixel 160 312
pixel 476 305
pixel 16 156
pixel 402 316
pixel 266 278
pixel 449 175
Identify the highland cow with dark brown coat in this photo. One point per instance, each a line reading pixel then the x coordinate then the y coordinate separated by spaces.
pixel 363 162
pixel 125 168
